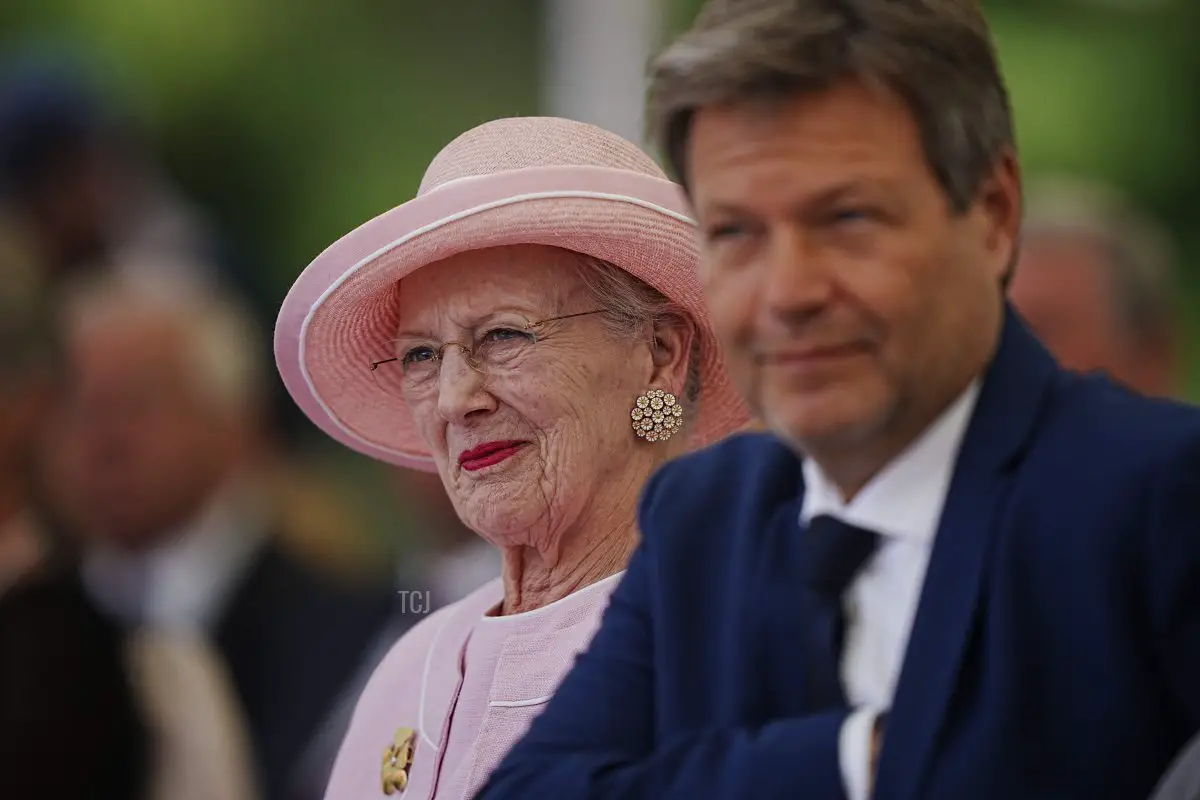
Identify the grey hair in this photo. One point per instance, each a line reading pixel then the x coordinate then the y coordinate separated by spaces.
pixel 1140 256
pixel 629 303
pixel 224 346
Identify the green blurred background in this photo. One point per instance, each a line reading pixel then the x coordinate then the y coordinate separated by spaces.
pixel 293 122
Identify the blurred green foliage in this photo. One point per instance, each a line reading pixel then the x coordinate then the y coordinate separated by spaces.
pixel 295 121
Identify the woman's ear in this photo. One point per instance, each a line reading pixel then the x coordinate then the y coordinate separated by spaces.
pixel 671 351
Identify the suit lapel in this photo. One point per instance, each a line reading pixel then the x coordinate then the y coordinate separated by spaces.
pixel 1004 419
pixel 776 620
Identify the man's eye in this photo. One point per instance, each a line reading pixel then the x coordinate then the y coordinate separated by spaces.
pixel 725 231
pixel 851 215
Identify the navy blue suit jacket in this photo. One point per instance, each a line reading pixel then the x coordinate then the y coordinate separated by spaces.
pixel 1055 652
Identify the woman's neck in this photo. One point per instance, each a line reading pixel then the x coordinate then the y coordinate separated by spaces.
pixel 596 546
pixel 533 579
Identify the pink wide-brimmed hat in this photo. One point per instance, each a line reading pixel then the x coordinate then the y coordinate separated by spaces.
pixel 538 180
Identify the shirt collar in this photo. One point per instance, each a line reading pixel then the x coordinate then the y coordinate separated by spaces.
pixel 184 582
pixel 905 499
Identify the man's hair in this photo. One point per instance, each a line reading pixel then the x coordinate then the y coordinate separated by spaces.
pixel 1139 254
pixel 221 338
pixel 937 55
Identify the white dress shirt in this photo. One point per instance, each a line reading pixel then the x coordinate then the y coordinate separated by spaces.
pixel 184 582
pixel 903 504
pixel 172 595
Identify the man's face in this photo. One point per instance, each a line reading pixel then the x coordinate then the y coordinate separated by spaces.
pixel 852 301
pixel 1064 289
pixel 137 446
pixel 23 400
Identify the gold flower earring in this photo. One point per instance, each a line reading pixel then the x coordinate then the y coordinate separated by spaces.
pixel 656 415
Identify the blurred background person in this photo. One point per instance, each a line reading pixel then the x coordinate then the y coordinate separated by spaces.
pixel 140 714
pixel 1097 280
pixel 70 720
pixel 153 466
pixel 27 365
pixel 67 708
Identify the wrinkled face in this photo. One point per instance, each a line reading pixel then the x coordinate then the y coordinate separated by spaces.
pixel 136 446
pixel 1064 289
pixel 853 302
pixel 528 443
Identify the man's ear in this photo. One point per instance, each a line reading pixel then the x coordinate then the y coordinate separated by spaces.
pixel 999 201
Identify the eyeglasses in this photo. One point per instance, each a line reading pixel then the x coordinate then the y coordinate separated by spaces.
pixel 496 351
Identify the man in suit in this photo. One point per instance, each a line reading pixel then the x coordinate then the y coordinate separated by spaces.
pixel 952 570
pixel 26 374
pixel 157 468
pixel 1097 284
pixel 88 724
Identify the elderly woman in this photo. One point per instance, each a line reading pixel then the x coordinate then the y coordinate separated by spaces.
pixel 530 327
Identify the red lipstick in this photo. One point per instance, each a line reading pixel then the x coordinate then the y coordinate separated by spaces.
pixel 488 454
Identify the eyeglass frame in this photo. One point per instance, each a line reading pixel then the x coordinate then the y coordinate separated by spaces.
pixel 529 328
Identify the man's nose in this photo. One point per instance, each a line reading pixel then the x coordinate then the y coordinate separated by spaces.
pixel 797 278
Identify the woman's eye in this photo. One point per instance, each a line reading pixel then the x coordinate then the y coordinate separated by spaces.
pixel 417 355
pixel 504 335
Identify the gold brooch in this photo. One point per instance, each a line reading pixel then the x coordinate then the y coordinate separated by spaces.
pixel 397 760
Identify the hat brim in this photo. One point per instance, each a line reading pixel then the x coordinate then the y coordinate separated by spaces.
pixel 342 311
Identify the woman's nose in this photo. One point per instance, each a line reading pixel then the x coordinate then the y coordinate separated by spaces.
pixel 461 386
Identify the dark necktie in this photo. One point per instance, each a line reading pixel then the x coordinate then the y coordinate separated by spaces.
pixel 834 552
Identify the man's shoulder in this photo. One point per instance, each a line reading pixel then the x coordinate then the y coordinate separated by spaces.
pixel 757 462
pixel 1097 418
pixel 49 598
pixel 714 497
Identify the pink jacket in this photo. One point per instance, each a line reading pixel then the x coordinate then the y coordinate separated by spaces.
pixel 467 685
